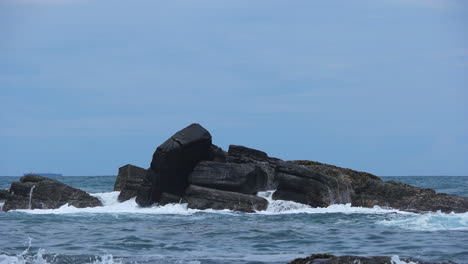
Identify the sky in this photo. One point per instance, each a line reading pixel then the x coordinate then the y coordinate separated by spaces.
pixel 377 86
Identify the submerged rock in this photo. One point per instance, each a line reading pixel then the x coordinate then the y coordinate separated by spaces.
pixel 128 181
pixel 37 192
pixel 198 197
pixel 173 161
pixel 331 259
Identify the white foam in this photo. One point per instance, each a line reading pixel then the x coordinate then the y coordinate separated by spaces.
pixel 396 260
pixel 106 259
pixel 287 207
pixel 111 205
pixel 430 221
pixel 24 258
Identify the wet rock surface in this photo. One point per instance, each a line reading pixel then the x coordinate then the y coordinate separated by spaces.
pixel 244 178
pixel 408 198
pixel 331 259
pixel 37 192
pixel 198 197
pixel 129 181
pixel 4 194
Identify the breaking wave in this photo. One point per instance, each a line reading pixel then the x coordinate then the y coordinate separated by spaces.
pixel 40 257
pixel 407 220
pixel 430 222
pixel 287 207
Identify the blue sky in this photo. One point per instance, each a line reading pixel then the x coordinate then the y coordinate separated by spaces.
pixel 378 86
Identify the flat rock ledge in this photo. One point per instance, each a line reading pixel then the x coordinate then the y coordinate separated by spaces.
pixel 37 192
pixel 187 167
pixel 331 259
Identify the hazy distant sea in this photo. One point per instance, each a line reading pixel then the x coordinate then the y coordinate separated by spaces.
pixel 125 233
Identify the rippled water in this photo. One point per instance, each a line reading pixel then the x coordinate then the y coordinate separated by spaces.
pixel 125 233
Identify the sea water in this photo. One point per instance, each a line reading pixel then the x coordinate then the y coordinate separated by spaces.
pixel 126 233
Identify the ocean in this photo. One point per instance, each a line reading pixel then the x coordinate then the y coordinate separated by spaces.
pixel 125 233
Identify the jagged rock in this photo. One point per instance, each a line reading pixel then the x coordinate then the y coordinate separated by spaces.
pixel 4 194
pixel 189 157
pixel 406 197
pixel 145 191
pixel 174 160
pixel 199 197
pixel 331 259
pixel 367 190
pixel 244 178
pixel 303 185
pixel 128 181
pixel 37 192
pixel 355 178
pixel 242 155
pixel 217 154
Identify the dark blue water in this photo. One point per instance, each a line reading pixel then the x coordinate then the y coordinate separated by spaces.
pixel 125 233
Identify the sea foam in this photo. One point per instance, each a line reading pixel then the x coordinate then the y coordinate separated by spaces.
pixel 407 220
pixel 430 222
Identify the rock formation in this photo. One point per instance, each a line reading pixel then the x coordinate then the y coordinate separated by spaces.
pixel 4 194
pixel 128 181
pixel 331 259
pixel 37 192
pixel 173 161
pixel 188 168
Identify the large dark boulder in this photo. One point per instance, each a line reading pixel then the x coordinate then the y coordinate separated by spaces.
pixel 128 181
pixel 37 192
pixel 244 178
pixel 198 197
pixel 174 160
pixel 406 197
pixel 331 259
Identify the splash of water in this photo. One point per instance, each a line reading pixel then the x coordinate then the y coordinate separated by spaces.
pixel 30 196
pixel 396 260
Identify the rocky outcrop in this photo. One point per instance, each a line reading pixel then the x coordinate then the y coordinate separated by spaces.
pixel 129 181
pixel 243 178
pixel 198 197
pixel 220 180
pixel 173 161
pixel 331 259
pixel 4 194
pixel 303 185
pixel 37 192
pixel 241 155
pixel 406 197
